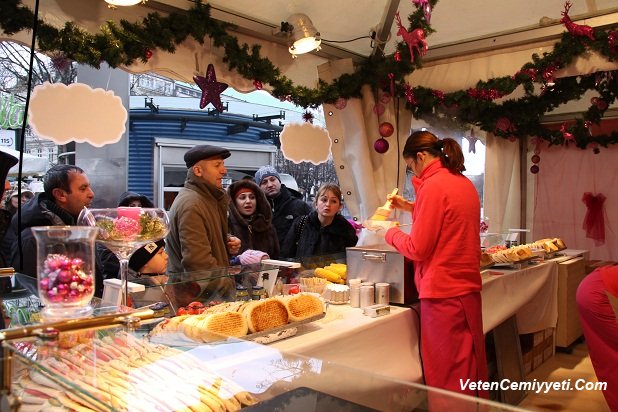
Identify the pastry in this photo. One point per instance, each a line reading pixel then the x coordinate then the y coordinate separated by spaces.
pixel 265 314
pixel 223 324
pixel 303 306
pixel 486 259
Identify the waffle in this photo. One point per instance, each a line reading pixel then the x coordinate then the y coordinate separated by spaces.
pixel 301 307
pixel 189 326
pixel 214 326
pixel 265 314
pixel 169 325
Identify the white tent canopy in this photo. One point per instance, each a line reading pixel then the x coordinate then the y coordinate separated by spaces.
pixel 32 165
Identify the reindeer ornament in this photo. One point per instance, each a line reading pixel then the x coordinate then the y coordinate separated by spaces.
pixel 415 39
pixel 575 29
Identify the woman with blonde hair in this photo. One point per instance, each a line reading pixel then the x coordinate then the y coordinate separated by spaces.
pixel 323 231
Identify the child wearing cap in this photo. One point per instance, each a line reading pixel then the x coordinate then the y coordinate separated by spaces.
pixel 150 259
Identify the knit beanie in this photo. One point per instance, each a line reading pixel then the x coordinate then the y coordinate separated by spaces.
pixel 265 171
pixel 144 254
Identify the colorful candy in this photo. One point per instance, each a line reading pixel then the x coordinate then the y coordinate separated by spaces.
pixel 64 280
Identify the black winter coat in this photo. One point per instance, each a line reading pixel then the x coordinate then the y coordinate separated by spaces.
pixel 256 232
pixel 315 240
pixel 42 211
pixel 286 207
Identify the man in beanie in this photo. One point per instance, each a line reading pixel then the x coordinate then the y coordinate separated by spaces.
pixel 597 297
pixel 287 204
pixel 198 238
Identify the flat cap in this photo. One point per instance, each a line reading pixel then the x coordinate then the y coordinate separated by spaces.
pixel 205 151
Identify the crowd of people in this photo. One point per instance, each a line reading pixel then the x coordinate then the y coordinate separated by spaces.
pixel 210 227
pixel 260 218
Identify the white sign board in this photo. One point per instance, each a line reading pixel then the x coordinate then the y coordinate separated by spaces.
pixel 7 138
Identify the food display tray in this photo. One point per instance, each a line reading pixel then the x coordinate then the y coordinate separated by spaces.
pixel 179 339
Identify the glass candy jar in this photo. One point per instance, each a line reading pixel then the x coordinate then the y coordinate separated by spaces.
pixel 65 270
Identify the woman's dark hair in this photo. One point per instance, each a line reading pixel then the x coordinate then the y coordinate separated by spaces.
pixel 58 178
pixel 447 149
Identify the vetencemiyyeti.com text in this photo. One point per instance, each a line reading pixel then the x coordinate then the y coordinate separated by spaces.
pixel 534 385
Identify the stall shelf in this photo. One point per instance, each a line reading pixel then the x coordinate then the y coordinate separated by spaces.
pixel 116 368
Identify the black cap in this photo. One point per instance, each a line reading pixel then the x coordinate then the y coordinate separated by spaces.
pixel 144 254
pixel 205 151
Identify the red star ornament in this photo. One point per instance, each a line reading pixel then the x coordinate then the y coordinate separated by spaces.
pixel 211 89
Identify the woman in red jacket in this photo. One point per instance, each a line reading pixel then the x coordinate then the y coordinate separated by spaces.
pixel 444 244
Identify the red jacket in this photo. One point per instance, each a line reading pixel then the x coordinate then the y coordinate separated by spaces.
pixel 444 241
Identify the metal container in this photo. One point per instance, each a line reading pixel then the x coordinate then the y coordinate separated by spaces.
pixel 382 263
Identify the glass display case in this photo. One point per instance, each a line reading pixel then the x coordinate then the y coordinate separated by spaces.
pixel 108 364
pixel 210 287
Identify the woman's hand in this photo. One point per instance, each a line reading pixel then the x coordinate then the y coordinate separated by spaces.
pixel 233 244
pixel 399 202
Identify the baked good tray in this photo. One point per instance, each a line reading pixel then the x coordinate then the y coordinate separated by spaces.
pixel 179 339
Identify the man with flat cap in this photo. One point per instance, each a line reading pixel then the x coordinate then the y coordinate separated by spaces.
pixel 198 239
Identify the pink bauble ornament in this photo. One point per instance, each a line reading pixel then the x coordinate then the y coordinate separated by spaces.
pixel 536 159
pixel 534 169
pixel 381 145
pixel 386 129
pixel 385 98
pixel 341 103
pixel 379 109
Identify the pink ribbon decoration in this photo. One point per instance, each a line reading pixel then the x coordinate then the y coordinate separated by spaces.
pixel 594 222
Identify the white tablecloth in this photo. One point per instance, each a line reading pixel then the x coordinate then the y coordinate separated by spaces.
pixel 530 293
pixel 389 346
pixel 386 345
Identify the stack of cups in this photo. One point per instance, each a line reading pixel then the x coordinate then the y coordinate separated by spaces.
pixel 367 294
pixel 382 293
pixel 355 292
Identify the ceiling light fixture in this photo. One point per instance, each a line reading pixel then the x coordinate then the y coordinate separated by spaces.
pixel 113 4
pixel 305 37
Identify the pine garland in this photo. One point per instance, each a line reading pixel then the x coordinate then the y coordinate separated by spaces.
pixel 126 42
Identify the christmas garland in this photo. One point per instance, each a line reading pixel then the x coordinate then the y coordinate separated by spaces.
pixel 126 42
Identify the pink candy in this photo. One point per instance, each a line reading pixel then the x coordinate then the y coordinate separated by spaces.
pixel 64 280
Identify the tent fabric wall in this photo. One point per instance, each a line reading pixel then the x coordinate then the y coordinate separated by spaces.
pixel 449 75
pixel 189 59
pixel 502 194
pixel 366 175
pixel 566 173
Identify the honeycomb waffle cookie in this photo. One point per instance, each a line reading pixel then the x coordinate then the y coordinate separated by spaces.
pixel 265 314
pixel 303 306
pixel 222 324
